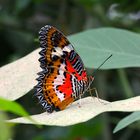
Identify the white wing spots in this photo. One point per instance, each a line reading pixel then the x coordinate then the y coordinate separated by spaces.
pixel 59 81
pixel 68 48
pixel 57 51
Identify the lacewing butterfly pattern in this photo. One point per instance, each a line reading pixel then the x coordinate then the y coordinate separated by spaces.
pixel 63 78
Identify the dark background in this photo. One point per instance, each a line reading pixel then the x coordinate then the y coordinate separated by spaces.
pixel 20 21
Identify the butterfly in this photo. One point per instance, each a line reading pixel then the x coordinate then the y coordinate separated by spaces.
pixel 63 78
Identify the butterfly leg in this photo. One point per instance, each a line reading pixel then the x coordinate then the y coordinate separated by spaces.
pixel 96 92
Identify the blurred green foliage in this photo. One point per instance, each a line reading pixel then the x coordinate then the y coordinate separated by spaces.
pixel 20 21
pixel 6 130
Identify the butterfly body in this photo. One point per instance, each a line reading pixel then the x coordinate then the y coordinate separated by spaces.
pixel 63 77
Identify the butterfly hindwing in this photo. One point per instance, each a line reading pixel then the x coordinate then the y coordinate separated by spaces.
pixel 63 76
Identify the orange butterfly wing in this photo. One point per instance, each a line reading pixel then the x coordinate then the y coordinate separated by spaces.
pixel 63 77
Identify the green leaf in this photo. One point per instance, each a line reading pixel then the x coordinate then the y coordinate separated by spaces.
pixel 135 116
pixel 6 130
pixel 13 107
pixel 95 45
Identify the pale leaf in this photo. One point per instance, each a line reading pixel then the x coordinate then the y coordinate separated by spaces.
pixel 90 107
pixel 18 78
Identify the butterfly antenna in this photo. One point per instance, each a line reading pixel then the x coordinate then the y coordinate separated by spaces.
pixel 103 62
pixel 92 77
